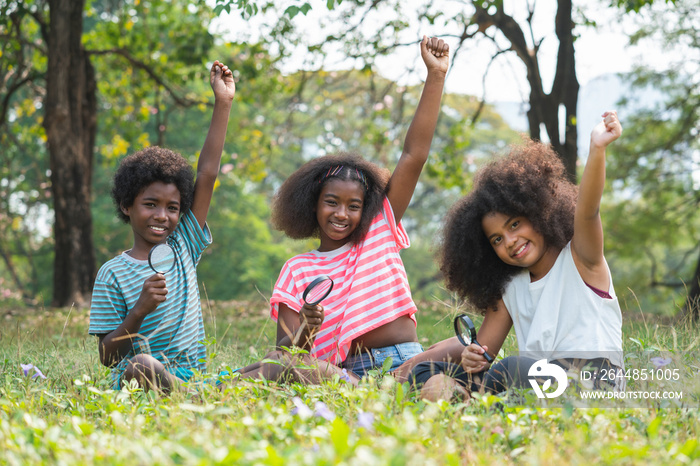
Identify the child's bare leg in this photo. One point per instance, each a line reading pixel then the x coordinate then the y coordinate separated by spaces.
pixel 449 350
pixel 150 374
pixel 443 387
pixel 306 369
pixel 295 368
pixel 264 369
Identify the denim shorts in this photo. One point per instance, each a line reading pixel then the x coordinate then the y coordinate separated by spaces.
pixel 374 358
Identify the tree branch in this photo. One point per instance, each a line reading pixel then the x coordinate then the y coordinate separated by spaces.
pixel 482 103
pixel 182 101
pixel 11 90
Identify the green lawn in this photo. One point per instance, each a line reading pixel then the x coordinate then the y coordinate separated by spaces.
pixel 72 417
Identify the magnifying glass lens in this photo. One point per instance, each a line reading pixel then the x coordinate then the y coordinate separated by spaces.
pixel 467 337
pixel 466 333
pixel 318 290
pixel 161 258
pixel 465 330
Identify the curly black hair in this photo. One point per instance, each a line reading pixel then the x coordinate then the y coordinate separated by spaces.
pixel 294 204
pixel 529 182
pixel 139 170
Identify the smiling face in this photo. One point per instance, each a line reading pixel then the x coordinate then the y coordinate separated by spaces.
pixel 153 216
pixel 517 243
pixel 338 211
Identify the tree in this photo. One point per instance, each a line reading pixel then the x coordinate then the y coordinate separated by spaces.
pixel 657 163
pixel 354 24
pixel 70 121
pixel 45 46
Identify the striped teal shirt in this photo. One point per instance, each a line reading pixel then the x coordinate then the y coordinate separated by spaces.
pixel 174 332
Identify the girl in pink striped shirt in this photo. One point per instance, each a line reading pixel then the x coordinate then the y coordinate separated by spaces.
pixel 355 209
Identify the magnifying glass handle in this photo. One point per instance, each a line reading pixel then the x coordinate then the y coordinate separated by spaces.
pixel 486 355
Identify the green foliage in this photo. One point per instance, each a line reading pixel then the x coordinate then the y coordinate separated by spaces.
pixel 74 417
pixel 25 190
pixel 249 8
pixel 636 5
pixel 131 44
pixel 243 259
pixel 653 232
pixel 150 58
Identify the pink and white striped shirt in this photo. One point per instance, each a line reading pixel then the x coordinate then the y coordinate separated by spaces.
pixel 370 286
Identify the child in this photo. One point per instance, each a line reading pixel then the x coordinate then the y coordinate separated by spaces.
pixel 150 325
pixel 526 249
pixel 355 210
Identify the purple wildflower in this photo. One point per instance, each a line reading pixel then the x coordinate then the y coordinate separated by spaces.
pixel 323 411
pixel 661 362
pixel 27 368
pixel 301 409
pixel 365 420
pixel 345 376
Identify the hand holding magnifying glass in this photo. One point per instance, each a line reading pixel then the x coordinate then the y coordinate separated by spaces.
pixel 466 333
pixel 161 259
pixel 315 292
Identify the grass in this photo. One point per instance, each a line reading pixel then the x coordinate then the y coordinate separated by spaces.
pixel 73 417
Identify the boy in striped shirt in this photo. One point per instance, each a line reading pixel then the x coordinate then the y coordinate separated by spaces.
pixel 150 325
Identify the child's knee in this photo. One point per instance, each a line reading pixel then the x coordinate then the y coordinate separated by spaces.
pixel 142 365
pixel 443 387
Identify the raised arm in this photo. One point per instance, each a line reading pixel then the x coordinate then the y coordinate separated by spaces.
pixel 587 242
pixel 435 53
pixel 224 88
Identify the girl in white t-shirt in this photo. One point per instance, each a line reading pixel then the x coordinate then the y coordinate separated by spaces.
pixel 525 247
pixel 355 208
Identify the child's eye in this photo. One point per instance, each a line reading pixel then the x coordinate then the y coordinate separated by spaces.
pixel 496 240
pixel 515 225
pixel 355 207
pixel 331 203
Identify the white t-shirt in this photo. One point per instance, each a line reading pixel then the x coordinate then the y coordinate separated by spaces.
pixel 560 316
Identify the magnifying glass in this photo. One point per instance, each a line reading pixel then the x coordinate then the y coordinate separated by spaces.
pixel 466 333
pixel 318 290
pixel 314 293
pixel 161 258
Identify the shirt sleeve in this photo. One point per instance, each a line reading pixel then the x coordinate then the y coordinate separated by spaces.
pixel 108 307
pixel 196 238
pixel 285 292
pixel 398 231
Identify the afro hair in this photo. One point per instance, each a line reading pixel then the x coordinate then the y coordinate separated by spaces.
pixel 294 204
pixel 139 170
pixel 529 182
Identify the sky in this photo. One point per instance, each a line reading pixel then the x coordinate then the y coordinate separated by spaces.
pixel 599 51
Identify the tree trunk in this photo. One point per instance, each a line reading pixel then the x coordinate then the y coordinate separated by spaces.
pixel 70 124
pixel 692 301
pixel 565 90
pixel 544 108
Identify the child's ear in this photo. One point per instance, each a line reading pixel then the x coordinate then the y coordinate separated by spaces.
pixel 125 210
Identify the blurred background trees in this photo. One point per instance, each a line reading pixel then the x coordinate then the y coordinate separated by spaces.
pixel 149 70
